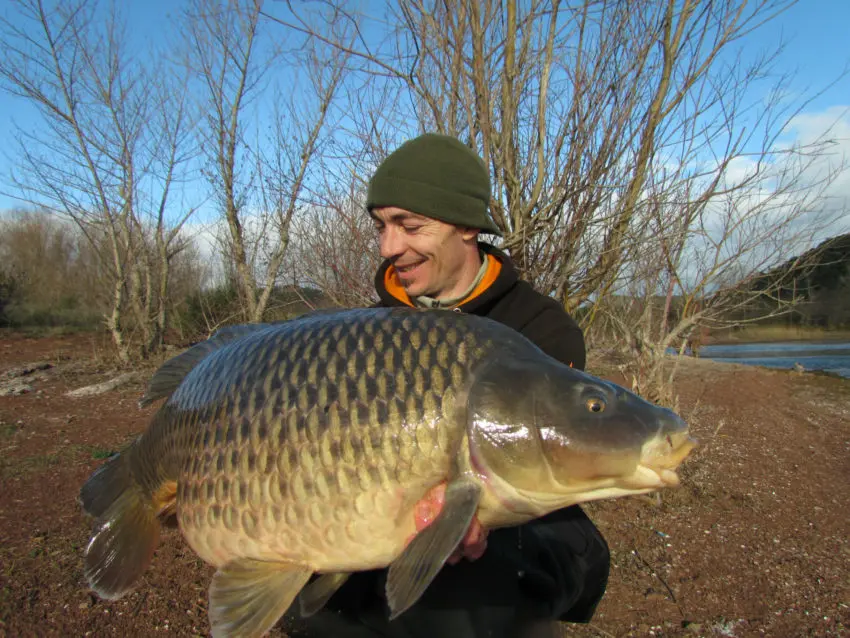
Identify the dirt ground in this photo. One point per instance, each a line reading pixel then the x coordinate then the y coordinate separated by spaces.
pixel 755 542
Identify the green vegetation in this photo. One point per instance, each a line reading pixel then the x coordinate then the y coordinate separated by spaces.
pixel 102 453
pixel 70 315
pixel 46 285
pixel 7 430
pixel 61 456
pixel 47 277
pixel 20 467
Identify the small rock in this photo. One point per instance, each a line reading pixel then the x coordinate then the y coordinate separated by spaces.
pixel 14 389
pixel 28 369
pixel 101 388
pixel 694 627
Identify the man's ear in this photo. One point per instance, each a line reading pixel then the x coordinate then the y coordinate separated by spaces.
pixel 469 234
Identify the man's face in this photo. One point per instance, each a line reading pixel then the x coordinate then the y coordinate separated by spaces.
pixel 428 254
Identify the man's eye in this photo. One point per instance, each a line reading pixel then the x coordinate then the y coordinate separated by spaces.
pixel 411 229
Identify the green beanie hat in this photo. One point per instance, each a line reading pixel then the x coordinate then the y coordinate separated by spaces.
pixel 436 176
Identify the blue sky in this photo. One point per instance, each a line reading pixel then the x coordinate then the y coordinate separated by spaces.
pixel 815 32
pixel 817 47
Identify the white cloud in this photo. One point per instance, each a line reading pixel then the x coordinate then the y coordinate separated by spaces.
pixel 830 128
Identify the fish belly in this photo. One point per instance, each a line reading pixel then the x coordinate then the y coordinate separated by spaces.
pixel 348 519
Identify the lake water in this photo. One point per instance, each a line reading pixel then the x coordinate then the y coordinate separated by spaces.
pixel 831 356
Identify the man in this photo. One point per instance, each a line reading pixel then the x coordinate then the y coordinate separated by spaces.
pixel 429 202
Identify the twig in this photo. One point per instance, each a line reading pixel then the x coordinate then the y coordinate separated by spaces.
pixel 717 429
pixel 139 604
pixel 663 582
pixel 601 631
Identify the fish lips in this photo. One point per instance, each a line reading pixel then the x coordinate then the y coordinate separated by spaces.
pixel 664 454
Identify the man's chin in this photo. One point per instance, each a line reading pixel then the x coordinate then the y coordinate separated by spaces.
pixel 415 288
pixel 413 291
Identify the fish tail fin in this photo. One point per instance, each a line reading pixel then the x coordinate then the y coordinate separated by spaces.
pixel 126 530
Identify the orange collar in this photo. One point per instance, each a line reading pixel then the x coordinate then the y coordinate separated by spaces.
pixel 394 287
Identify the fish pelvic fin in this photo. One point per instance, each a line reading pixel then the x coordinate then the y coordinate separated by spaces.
pixel 171 373
pixel 125 533
pixel 317 594
pixel 411 573
pixel 247 596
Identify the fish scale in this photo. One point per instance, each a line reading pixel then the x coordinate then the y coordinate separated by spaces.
pixel 303 447
pixel 379 457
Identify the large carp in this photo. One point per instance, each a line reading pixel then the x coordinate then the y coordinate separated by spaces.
pixel 302 448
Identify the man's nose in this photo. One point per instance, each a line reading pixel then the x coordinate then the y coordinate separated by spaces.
pixel 392 243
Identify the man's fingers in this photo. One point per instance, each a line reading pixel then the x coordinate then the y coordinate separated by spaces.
pixel 474 552
pixel 475 534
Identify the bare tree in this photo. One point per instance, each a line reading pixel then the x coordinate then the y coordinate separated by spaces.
pixel 48 260
pixel 336 249
pixel 616 132
pixel 569 104
pixel 222 37
pixel 712 251
pixel 105 153
pixel 258 191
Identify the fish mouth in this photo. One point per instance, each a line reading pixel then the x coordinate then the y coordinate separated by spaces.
pixel 649 477
pixel 662 457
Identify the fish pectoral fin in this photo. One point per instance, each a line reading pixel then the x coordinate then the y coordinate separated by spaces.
pixel 247 596
pixel 316 594
pixel 411 573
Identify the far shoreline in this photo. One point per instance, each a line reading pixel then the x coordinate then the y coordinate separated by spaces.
pixel 776 334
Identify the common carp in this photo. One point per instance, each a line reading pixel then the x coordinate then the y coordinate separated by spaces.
pixel 295 453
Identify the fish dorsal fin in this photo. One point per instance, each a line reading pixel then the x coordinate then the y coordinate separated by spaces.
pixel 247 596
pixel 171 373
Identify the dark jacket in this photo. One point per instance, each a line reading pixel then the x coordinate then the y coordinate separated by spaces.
pixel 563 559
pixel 513 302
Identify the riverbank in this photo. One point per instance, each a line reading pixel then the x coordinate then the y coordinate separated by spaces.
pixel 754 543
pixel 771 334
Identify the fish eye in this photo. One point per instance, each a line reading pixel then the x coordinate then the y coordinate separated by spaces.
pixel 595 404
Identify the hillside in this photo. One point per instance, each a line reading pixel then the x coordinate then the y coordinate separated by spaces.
pixel 820 278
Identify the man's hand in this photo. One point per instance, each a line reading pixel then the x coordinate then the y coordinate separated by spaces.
pixel 474 543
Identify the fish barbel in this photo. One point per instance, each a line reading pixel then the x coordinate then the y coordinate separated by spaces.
pixel 301 448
